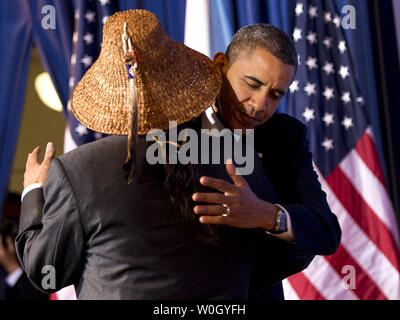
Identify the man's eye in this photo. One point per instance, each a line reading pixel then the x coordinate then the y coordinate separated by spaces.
pixel 253 86
pixel 277 96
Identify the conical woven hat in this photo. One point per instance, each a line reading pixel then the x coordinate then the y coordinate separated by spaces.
pixel 173 82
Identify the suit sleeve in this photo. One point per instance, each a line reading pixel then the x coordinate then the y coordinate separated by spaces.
pixel 23 290
pixel 51 236
pixel 316 228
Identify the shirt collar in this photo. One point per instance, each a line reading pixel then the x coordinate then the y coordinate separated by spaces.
pixel 211 121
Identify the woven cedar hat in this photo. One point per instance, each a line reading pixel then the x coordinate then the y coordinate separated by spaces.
pixel 172 82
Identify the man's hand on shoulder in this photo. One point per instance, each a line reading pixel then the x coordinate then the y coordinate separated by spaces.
pixel 235 205
pixel 36 172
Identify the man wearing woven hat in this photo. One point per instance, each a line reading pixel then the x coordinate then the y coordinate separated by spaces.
pixel 129 232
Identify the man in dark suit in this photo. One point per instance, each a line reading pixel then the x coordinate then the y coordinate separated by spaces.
pixel 257 69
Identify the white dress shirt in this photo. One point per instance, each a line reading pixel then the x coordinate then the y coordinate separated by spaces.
pixel 13 277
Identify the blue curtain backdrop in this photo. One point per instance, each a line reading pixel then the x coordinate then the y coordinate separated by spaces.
pixel 20 22
pixel 15 44
pixel 54 46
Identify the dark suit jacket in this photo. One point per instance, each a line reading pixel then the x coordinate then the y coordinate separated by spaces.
pixel 287 162
pixel 118 241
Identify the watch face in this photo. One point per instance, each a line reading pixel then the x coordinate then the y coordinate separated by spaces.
pixel 283 222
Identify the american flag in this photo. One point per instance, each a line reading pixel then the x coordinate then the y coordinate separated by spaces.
pixel 326 97
pixel 90 16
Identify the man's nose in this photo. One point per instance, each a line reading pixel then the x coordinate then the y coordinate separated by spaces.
pixel 259 102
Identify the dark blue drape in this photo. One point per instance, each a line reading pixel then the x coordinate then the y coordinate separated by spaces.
pixel 171 14
pixel 54 46
pixel 15 44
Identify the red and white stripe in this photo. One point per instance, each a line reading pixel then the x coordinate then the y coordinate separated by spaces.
pixel 357 194
pixel 67 293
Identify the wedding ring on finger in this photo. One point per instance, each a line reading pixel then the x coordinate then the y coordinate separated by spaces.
pixel 228 210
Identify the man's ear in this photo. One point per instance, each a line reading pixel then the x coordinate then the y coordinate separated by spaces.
pixel 221 62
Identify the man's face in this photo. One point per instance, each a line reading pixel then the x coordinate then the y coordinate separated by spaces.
pixel 253 87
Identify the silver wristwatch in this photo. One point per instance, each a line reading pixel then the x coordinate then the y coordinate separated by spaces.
pixel 281 222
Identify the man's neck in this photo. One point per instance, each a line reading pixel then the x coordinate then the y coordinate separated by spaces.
pixel 218 112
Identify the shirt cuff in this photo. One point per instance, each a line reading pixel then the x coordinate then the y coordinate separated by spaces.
pixel 30 188
pixel 289 234
pixel 13 277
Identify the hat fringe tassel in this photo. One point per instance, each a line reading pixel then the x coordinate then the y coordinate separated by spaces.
pixel 132 128
pixel 131 59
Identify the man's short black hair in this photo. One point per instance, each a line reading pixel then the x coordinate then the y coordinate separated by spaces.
pixel 265 36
